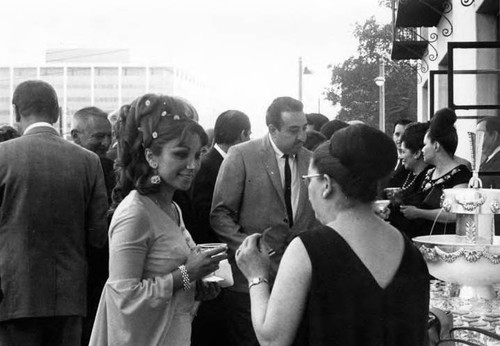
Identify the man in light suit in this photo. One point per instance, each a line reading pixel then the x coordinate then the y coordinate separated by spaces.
pixel 256 190
pixel 52 203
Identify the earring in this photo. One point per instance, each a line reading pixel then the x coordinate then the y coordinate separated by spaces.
pixel 155 178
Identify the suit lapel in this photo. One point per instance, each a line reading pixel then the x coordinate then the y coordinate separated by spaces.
pixel 491 165
pixel 269 160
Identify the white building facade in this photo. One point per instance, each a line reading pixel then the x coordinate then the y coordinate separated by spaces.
pixel 456 46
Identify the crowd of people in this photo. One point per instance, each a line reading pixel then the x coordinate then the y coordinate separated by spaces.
pixel 100 238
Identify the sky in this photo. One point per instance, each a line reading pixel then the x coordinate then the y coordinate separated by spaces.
pixel 246 51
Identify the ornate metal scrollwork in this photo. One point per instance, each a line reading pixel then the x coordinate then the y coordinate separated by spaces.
pixel 447 6
pixel 422 66
pixel 467 3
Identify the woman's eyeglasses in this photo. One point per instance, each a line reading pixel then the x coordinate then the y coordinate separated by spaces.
pixel 307 178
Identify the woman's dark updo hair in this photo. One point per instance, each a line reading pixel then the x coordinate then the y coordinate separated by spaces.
pixel 150 122
pixel 442 130
pixel 414 134
pixel 357 157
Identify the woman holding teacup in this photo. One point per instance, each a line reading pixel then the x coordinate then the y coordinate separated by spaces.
pixel 155 269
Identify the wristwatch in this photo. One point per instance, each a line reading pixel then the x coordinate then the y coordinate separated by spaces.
pixel 256 281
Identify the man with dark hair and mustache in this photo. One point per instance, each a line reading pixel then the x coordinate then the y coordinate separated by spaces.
pixel 259 189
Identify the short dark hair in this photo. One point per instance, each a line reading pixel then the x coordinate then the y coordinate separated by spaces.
pixel 332 126
pixel 492 124
pixel 8 132
pixel 36 97
pixel 357 157
pixel 413 137
pixel 403 122
pixel 229 125
pixel 317 120
pixel 442 130
pixel 313 139
pixel 280 105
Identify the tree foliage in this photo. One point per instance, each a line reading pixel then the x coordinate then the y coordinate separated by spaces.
pixel 353 86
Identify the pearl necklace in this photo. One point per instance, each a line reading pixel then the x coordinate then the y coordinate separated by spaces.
pixel 406 186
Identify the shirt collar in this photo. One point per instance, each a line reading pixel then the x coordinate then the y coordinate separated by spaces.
pixel 279 153
pixel 221 152
pixel 37 124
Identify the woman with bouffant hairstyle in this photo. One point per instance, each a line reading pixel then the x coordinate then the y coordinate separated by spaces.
pixel 355 280
pixel 440 144
pixel 154 266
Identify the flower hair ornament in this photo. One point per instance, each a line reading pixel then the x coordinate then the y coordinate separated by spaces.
pixel 150 109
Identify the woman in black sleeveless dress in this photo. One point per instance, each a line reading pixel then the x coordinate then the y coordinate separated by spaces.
pixel 356 280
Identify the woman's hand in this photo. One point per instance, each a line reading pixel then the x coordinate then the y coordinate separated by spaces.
pixel 410 212
pixel 206 290
pixel 201 263
pixel 252 258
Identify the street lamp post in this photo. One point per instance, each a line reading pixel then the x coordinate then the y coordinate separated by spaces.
pixel 300 78
pixel 380 81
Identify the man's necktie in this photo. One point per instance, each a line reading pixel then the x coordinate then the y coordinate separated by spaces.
pixel 288 191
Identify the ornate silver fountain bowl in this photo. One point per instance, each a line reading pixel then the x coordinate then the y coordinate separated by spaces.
pixel 471 257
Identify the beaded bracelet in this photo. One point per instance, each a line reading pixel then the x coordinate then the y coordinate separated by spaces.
pixel 185 277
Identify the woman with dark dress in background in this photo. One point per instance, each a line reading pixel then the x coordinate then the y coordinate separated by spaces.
pixel 440 144
pixel 356 280
pixel 412 142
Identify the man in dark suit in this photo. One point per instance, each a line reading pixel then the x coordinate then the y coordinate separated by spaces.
pixel 91 130
pixel 231 127
pixel 489 170
pixel 259 187
pixel 400 172
pixel 52 204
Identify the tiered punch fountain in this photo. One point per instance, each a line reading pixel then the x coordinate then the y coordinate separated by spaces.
pixel 469 258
